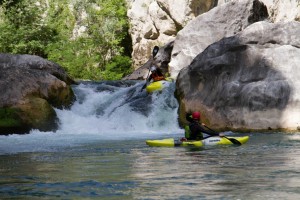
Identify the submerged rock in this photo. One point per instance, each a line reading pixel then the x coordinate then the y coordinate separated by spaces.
pixel 30 87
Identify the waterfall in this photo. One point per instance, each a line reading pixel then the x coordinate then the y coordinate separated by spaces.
pixel 107 110
pixel 120 109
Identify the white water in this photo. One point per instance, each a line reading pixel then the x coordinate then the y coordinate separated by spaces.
pixel 104 111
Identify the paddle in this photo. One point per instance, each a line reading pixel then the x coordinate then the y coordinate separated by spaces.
pixel 234 141
pixel 146 81
pixel 154 52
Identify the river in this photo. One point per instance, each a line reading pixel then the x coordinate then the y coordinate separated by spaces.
pixel 99 152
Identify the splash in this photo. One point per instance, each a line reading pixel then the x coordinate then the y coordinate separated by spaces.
pixel 109 110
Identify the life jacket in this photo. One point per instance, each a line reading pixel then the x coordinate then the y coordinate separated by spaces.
pixel 187 132
pixel 195 133
pixel 158 78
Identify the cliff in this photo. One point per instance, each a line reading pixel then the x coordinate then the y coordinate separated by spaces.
pixel 237 64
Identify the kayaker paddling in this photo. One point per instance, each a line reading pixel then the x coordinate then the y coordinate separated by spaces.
pixel 195 130
pixel 154 52
pixel 156 74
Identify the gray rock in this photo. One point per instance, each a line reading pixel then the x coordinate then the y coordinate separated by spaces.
pixel 249 81
pixel 156 22
pixel 280 11
pixel 161 60
pixel 30 87
pixel 222 21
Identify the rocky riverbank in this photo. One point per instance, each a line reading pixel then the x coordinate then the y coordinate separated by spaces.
pixel 30 87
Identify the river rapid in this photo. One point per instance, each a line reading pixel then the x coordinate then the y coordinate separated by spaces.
pixel 99 152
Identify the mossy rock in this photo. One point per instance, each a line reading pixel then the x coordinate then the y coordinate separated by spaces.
pixel 33 113
pixel 61 97
pixel 9 117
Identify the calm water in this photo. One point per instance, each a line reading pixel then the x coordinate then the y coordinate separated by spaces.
pixel 267 167
pixel 99 152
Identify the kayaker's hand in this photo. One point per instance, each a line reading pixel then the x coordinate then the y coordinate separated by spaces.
pixel 221 134
pixel 203 124
pixel 183 139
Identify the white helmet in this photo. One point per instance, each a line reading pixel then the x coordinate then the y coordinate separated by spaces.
pixel 153 68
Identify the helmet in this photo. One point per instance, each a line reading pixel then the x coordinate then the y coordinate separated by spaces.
pixel 153 68
pixel 196 115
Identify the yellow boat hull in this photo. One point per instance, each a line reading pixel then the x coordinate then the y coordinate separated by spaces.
pixel 157 85
pixel 170 142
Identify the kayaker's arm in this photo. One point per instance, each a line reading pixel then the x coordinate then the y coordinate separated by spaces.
pixel 234 141
pixel 209 132
pixel 188 117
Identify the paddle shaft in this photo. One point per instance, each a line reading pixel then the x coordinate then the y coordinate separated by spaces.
pixel 234 141
pixel 146 80
pixel 154 52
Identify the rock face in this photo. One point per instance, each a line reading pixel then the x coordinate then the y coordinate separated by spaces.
pixel 29 87
pixel 161 60
pixel 222 21
pixel 156 22
pixel 279 11
pixel 249 81
pixel 227 19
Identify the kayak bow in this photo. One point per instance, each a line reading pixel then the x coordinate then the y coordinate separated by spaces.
pixel 157 85
pixel 216 140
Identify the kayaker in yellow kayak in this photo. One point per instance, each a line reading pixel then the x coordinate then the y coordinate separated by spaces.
pixel 156 74
pixel 195 130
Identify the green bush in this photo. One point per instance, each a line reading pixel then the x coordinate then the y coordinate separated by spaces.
pixel 119 67
pixel 22 30
pixel 101 52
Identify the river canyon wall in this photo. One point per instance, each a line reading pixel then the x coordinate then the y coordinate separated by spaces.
pixel 236 62
pixel 157 22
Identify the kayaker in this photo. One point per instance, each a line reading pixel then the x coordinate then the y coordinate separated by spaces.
pixel 195 130
pixel 156 74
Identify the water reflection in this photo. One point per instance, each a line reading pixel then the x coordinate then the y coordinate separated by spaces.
pixel 266 167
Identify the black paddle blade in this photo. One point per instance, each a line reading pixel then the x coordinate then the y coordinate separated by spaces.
pixel 234 141
pixel 144 86
pixel 154 51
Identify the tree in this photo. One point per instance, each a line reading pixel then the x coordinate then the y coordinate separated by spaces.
pixel 23 30
pixel 102 51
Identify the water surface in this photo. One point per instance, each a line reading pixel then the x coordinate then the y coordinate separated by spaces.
pixel 99 152
pixel 267 167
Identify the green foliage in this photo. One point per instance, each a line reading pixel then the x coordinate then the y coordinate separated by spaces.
pixel 96 53
pixel 22 30
pixel 102 51
pixel 119 67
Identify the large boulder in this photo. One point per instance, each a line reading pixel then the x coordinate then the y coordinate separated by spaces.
pixel 280 11
pixel 222 21
pixel 249 81
pixel 30 87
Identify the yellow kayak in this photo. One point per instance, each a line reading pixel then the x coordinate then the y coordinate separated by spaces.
pixel 157 85
pixel 216 140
